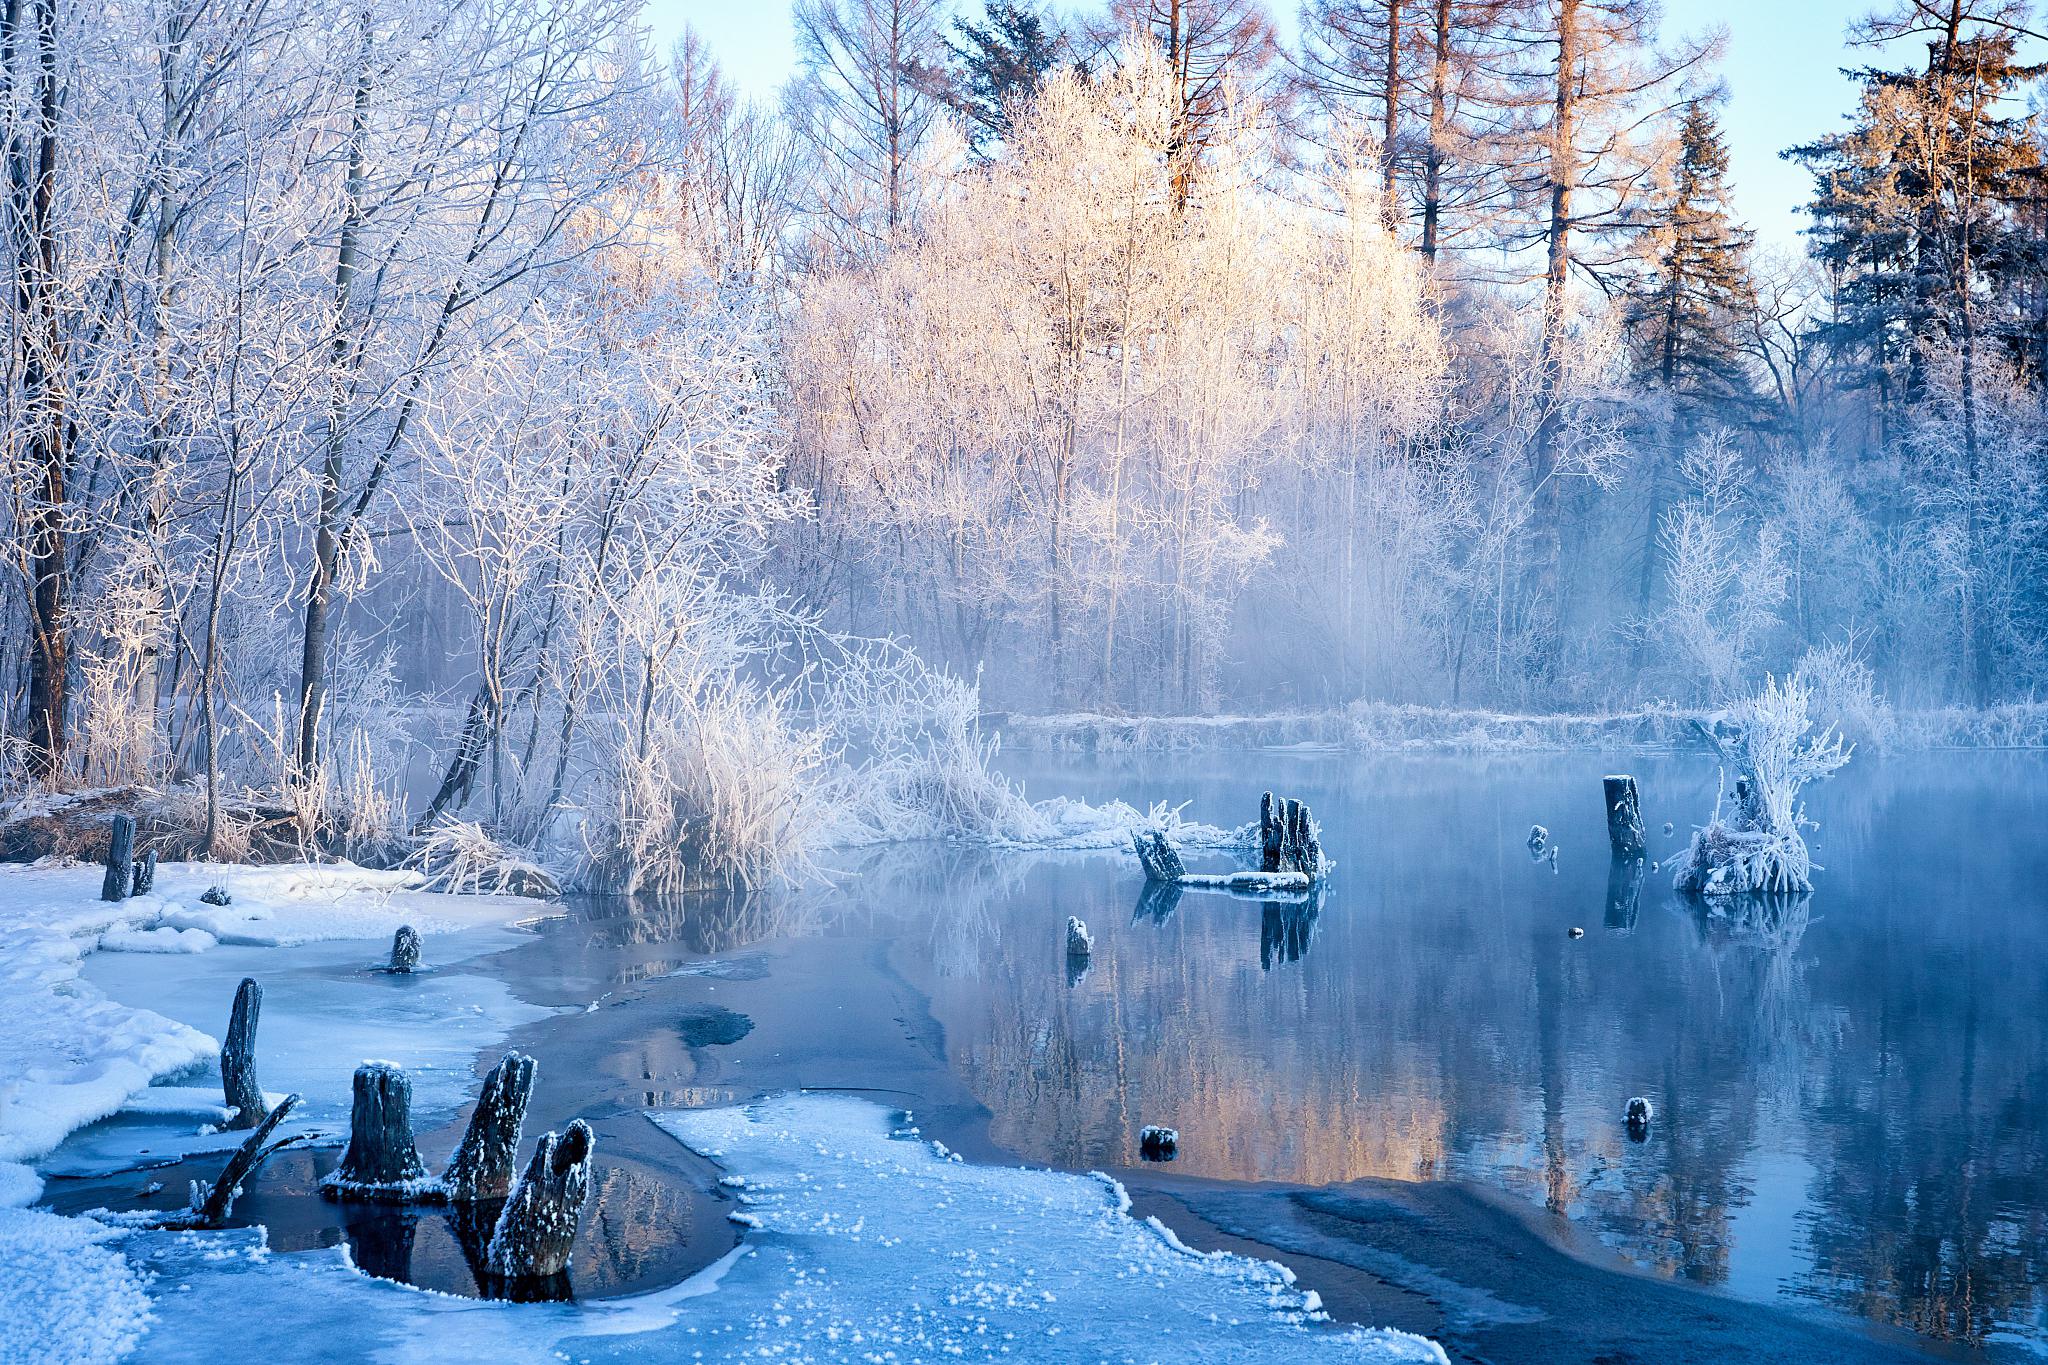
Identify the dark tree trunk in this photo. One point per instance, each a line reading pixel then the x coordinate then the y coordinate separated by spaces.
pixel 238 1058
pixel 120 860
pixel 482 1166
pixel 145 873
pixel 537 1230
pixel 211 1209
pixel 1288 839
pixel 1624 817
pixel 381 1162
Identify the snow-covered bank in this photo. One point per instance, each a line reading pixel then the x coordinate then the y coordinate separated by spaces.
pixel 1373 727
pixel 86 1035
pixel 864 1243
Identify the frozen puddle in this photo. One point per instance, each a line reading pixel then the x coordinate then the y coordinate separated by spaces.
pixel 864 1243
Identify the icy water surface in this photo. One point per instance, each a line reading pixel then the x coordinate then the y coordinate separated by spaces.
pixel 1851 1093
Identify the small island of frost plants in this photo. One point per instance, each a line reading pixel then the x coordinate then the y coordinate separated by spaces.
pixel 1757 846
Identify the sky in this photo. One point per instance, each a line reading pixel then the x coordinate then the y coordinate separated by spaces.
pixel 1783 71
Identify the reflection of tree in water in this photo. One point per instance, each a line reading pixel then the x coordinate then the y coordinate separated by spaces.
pixel 629 1221
pixel 1930 1177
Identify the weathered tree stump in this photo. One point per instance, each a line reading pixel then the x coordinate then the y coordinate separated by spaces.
pixel 211 1204
pixel 1624 816
pixel 145 873
pixel 120 860
pixel 537 1230
pixel 405 951
pixel 216 895
pixel 1638 1114
pixel 1160 861
pixel 482 1167
pixel 1158 1144
pixel 238 1058
pixel 1288 838
pixel 1080 942
pixel 381 1162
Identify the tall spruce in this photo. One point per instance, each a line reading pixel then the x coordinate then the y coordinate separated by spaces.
pixel 1684 313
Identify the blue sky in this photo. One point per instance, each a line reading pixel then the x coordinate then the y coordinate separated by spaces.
pixel 1782 69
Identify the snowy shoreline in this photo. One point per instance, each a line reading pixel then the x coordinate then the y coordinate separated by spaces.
pixel 842 1252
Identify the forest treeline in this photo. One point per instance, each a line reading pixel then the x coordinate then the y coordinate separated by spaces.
pixel 470 360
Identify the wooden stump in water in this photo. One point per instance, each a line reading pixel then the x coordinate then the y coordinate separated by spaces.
pixel 1288 840
pixel 537 1229
pixel 120 860
pixel 381 1162
pixel 1624 816
pixel 405 951
pixel 145 873
pixel 238 1058
pixel 482 1166
pixel 1160 861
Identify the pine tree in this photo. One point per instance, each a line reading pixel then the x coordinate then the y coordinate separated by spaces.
pixel 1683 314
pixel 1916 216
pixel 997 67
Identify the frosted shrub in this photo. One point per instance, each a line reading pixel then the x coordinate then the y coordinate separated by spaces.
pixel 1758 846
pixel 1846 697
pixel 462 856
pixel 723 790
pixel 912 761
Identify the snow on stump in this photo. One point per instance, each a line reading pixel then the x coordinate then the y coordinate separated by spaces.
pixel 537 1229
pixel 1638 1115
pixel 1079 942
pixel 120 860
pixel 1539 840
pixel 1157 856
pixel 405 951
pixel 1758 847
pixel 145 873
pixel 381 1162
pixel 1624 816
pixel 1158 1144
pixel 1289 838
pixel 482 1166
pixel 238 1058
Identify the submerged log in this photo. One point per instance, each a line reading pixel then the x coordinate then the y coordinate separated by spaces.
pixel 211 1204
pixel 405 951
pixel 120 860
pixel 238 1058
pixel 537 1230
pixel 1624 816
pixel 1160 861
pixel 381 1162
pixel 483 1164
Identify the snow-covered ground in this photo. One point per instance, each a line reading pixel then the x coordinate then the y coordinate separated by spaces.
pixel 95 1011
pixel 864 1242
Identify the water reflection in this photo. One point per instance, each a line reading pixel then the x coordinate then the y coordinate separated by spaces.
pixel 1851 1088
